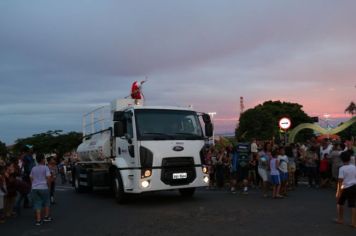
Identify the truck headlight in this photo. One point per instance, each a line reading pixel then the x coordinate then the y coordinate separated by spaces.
pixel 205 169
pixel 145 184
pixel 206 179
pixel 145 173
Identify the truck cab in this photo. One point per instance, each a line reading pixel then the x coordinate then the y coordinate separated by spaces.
pixel 146 148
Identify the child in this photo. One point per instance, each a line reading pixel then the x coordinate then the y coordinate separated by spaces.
pixel 292 167
pixel 252 170
pixel 2 194
pixel 283 170
pixel 11 193
pixel 263 169
pixel 346 189
pixel 275 178
pixel 324 170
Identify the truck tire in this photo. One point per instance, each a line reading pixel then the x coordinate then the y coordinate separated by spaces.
pixel 118 188
pixel 187 192
pixel 78 188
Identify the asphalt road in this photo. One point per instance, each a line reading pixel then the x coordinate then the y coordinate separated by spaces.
pixel 304 212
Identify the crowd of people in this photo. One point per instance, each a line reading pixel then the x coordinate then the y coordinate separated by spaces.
pixel 29 182
pixel 285 166
pixel 281 168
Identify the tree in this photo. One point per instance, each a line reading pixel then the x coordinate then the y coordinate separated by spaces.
pixel 351 109
pixel 348 133
pixel 52 141
pixel 261 122
pixel 3 149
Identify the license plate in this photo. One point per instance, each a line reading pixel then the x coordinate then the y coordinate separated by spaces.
pixel 179 175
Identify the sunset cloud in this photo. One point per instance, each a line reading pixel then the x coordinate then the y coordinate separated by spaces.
pixel 60 59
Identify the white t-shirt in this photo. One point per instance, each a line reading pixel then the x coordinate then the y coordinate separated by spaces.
pixel 327 150
pixel 348 174
pixel 283 163
pixel 254 148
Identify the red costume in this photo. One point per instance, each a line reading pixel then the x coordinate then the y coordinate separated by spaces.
pixel 136 90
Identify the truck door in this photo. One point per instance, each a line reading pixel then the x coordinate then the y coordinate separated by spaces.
pixel 125 144
pixel 125 151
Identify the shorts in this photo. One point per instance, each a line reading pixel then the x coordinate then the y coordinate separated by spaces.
pixel 40 198
pixel 283 176
pixel 263 174
pixel 348 194
pixel 292 168
pixel 242 173
pixel 275 180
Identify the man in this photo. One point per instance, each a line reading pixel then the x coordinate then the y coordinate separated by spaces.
pixel 346 189
pixel 136 92
pixel 40 177
pixel 62 171
pixel 27 163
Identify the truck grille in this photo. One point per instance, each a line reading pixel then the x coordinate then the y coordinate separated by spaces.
pixel 175 165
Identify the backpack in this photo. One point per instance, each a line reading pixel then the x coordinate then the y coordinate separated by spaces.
pixel 22 187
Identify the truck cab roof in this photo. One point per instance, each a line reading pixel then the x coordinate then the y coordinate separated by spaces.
pixel 124 104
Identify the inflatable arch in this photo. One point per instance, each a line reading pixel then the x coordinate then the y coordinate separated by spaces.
pixel 319 129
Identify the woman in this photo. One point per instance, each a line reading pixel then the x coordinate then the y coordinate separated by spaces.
pixel 263 166
pixel 52 165
pixel 219 170
pixel 40 178
pixel 10 197
pixel 291 166
pixel 311 163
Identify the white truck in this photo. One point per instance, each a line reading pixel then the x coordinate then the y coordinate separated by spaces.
pixel 144 148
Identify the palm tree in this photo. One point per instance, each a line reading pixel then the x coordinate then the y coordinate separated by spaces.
pixel 351 109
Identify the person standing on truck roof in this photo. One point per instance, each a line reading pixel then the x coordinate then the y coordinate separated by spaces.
pixel 136 92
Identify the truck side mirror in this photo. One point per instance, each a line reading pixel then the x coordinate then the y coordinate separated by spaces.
pixel 119 129
pixel 209 129
pixel 118 115
pixel 206 118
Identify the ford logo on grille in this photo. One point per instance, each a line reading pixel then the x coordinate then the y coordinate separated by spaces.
pixel 178 148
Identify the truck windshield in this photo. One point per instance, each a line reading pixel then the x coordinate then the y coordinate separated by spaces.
pixel 160 124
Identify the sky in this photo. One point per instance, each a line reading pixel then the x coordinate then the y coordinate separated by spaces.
pixel 60 59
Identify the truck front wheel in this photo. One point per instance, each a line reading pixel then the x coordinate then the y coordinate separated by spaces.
pixel 118 187
pixel 76 182
pixel 187 192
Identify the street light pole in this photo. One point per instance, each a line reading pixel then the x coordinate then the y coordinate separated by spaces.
pixel 212 114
